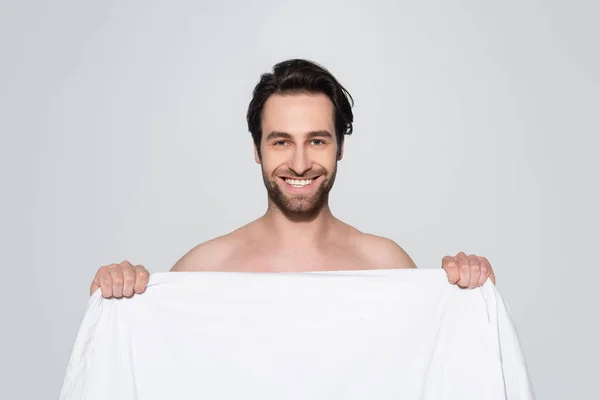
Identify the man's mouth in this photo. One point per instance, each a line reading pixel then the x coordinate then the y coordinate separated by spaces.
pixel 298 183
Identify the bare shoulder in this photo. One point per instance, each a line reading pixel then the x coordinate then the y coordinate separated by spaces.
pixel 209 256
pixel 381 252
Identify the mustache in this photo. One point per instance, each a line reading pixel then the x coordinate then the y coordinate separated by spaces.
pixel 291 174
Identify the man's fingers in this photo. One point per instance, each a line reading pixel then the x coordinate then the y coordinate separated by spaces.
pixel 486 263
pixel 105 281
pixel 142 276
pixel 116 276
pixel 128 280
pixel 451 268
pixel 475 271
pixel 486 270
pixel 464 270
pixel 118 280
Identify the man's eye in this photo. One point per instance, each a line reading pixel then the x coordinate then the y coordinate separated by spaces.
pixel 280 143
pixel 317 142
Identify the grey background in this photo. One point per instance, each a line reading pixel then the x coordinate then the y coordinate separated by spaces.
pixel 123 137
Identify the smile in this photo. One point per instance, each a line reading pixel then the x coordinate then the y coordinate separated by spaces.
pixel 299 183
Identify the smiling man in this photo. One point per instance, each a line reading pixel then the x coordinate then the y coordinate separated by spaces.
pixel 298 118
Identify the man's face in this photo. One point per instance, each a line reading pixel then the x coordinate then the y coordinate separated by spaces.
pixel 299 152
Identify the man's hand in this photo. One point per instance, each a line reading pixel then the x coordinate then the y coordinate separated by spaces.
pixel 120 280
pixel 468 271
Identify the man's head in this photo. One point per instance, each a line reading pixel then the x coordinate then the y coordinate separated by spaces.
pixel 298 117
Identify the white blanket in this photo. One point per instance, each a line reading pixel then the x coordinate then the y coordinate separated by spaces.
pixel 368 335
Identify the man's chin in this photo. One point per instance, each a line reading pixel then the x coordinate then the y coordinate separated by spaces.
pixel 297 205
pixel 303 215
pixel 299 208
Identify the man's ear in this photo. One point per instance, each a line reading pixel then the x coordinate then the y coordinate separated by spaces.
pixel 256 156
pixel 341 150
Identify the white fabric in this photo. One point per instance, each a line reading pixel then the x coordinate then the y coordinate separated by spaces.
pixel 369 335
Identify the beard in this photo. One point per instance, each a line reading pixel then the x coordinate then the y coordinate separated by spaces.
pixel 299 205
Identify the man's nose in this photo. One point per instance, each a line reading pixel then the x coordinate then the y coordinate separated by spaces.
pixel 300 162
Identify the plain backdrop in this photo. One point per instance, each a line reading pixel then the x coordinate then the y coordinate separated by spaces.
pixel 124 137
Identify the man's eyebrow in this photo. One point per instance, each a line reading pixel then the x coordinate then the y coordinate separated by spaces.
pixel 278 135
pixel 319 134
pixel 310 135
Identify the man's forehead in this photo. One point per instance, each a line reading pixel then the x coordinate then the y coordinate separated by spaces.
pixel 297 114
pixel 298 103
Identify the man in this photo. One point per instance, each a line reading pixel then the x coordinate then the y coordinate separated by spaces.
pixel 298 117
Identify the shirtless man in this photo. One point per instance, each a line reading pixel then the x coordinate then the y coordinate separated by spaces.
pixel 298 117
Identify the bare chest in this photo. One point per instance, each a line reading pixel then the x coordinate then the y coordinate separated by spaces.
pixel 295 260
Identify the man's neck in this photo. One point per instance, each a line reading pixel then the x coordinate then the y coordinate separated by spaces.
pixel 296 230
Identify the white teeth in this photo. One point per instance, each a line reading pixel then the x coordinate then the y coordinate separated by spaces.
pixel 298 183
